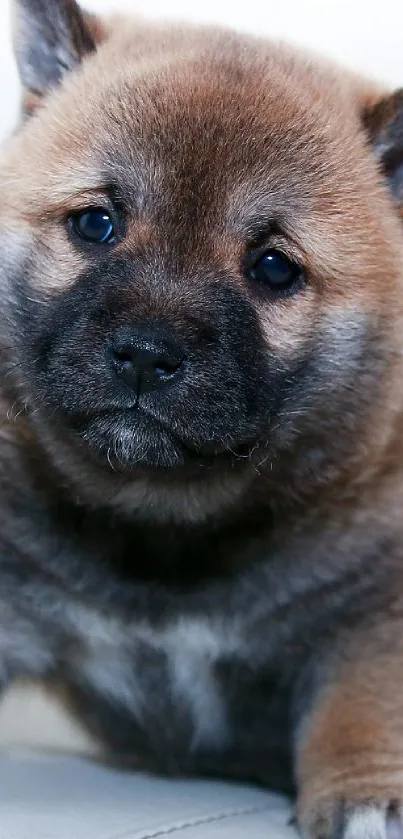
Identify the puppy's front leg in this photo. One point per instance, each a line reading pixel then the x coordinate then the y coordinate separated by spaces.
pixel 349 758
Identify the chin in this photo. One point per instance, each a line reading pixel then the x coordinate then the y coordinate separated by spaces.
pixel 183 495
pixel 131 441
pixel 159 477
pixel 131 462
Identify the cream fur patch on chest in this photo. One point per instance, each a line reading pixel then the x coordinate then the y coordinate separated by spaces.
pixel 126 664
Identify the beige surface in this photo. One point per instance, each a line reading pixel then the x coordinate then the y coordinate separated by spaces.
pixel 29 717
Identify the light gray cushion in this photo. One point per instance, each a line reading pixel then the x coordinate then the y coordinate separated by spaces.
pixel 52 797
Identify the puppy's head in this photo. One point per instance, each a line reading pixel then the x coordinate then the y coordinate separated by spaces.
pixel 201 262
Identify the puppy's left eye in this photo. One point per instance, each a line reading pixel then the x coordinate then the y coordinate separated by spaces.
pixel 274 270
pixel 94 225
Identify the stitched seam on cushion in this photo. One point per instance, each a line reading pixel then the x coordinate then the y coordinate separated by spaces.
pixel 176 828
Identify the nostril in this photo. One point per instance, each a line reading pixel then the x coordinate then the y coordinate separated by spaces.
pixel 122 357
pixel 161 367
pixel 165 369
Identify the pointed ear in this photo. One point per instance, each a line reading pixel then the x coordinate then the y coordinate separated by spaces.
pixel 50 38
pixel 383 121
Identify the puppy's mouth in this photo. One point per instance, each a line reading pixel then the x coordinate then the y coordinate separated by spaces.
pixel 133 439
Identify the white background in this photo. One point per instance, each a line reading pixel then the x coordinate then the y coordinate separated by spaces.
pixel 365 34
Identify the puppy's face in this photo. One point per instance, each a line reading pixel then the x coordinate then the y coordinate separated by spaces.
pixel 201 265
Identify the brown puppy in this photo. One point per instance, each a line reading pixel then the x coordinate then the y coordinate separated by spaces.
pixel 201 283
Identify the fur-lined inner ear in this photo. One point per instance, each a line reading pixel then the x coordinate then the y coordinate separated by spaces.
pixel 51 37
pixel 383 122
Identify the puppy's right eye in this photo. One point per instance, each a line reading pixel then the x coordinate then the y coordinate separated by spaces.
pixel 277 272
pixel 94 225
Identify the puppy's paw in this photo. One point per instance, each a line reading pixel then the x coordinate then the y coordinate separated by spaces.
pixel 337 818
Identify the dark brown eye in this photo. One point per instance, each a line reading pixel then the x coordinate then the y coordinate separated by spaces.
pixel 94 225
pixel 274 270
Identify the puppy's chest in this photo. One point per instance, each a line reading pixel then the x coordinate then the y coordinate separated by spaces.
pixel 153 674
pixel 186 692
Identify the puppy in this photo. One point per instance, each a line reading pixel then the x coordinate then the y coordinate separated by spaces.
pixel 201 284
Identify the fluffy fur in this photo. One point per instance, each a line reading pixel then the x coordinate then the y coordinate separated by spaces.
pixel 212 571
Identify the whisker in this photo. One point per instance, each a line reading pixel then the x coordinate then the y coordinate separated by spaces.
pixel 34 300
pixel 108 455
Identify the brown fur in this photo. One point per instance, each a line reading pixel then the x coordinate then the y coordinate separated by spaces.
pixel 350 749
pixel 208 133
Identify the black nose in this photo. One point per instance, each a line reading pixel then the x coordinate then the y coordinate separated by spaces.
pixel 146 360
